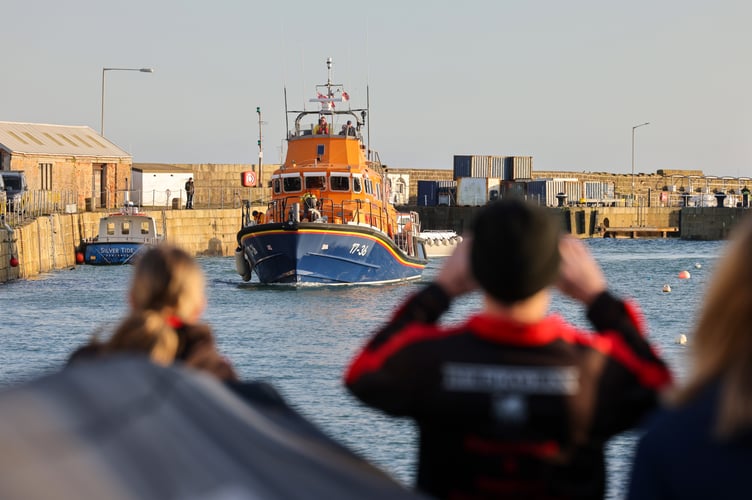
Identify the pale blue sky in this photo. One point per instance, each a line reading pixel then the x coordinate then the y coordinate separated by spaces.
pixel 562 81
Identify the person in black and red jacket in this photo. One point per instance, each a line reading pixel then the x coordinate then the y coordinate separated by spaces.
pixel 514 401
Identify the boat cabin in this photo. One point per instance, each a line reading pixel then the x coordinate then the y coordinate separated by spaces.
pixel 128 226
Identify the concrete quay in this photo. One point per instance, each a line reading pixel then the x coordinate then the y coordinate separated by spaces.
pixel 48 243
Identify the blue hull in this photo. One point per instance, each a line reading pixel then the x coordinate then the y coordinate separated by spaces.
pixel 111 254
pixel 325 254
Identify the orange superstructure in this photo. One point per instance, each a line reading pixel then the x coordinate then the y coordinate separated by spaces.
pixel 330 220
pixel 332 175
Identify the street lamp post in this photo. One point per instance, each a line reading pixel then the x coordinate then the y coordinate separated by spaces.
pixel 142 70
pixel 633 129
pixel 261 150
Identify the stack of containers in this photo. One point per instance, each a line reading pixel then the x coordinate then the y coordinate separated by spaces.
pixel 503 174
pixel 545 191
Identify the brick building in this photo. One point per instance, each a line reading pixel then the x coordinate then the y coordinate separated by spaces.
pixel 66 159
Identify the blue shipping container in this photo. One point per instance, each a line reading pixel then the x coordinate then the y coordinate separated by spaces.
pixel 428 193
pixel 462 166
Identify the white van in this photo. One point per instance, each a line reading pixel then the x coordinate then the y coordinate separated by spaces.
pixel 14 185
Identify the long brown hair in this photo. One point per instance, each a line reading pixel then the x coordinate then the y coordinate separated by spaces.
pixel 722 339
pixel 167 296
pixel 146 332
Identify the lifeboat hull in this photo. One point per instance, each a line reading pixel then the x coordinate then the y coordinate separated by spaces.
pixel 329 254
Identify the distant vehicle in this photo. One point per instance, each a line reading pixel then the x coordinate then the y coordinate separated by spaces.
pixel 15 186
pixel 2 193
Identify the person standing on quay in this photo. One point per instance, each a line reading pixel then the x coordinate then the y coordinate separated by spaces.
pixel 701 446
pixel 514 402
pixel 189 190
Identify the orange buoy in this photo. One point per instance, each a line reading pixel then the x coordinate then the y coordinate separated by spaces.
pixel 13 262
pixel 684 275
pixel 79 258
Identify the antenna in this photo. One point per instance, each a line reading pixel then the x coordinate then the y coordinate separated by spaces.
pixel 287 125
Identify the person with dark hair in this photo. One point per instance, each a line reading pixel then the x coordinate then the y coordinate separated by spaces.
pixel 348 129
pixel 514 402
pixel 322 128
pixel 190 189
pixel 701 445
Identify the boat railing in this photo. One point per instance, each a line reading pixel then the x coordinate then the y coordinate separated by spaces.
pixel 357 211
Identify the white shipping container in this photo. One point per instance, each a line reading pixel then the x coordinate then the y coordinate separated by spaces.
pixel 479 166
pixel 472 191
pixel 545 191
pixel 598 191
pixel 494 189
pixel 521 167
pixel 568 186
pixel 496 167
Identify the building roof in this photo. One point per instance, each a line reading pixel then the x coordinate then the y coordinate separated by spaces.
pixel 66 140
pixel 160 168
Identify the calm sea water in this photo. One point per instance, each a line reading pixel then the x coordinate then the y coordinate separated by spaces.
pixel 301 339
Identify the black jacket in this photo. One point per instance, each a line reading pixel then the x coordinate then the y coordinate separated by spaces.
pixel 505 408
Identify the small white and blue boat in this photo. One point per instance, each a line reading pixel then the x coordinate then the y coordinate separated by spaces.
pixel 121 237
pixel 439 243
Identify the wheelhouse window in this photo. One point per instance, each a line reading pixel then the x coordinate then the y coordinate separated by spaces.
pixel 110 229
pixel 277 185
pixel 357 184
pixel 315 180
pixel 125 228
pixel 340 182
pixel 292 184
pixel 378 191
pixel 369 186
pixel 144 227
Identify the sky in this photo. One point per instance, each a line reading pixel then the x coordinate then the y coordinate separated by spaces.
pixel 562 81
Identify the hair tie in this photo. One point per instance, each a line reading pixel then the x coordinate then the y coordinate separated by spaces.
pixel 175 322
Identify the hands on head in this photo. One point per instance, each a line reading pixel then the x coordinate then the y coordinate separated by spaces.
pixel 456 275
pixel 580 276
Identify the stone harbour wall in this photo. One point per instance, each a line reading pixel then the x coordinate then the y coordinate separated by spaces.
pixel 49 243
